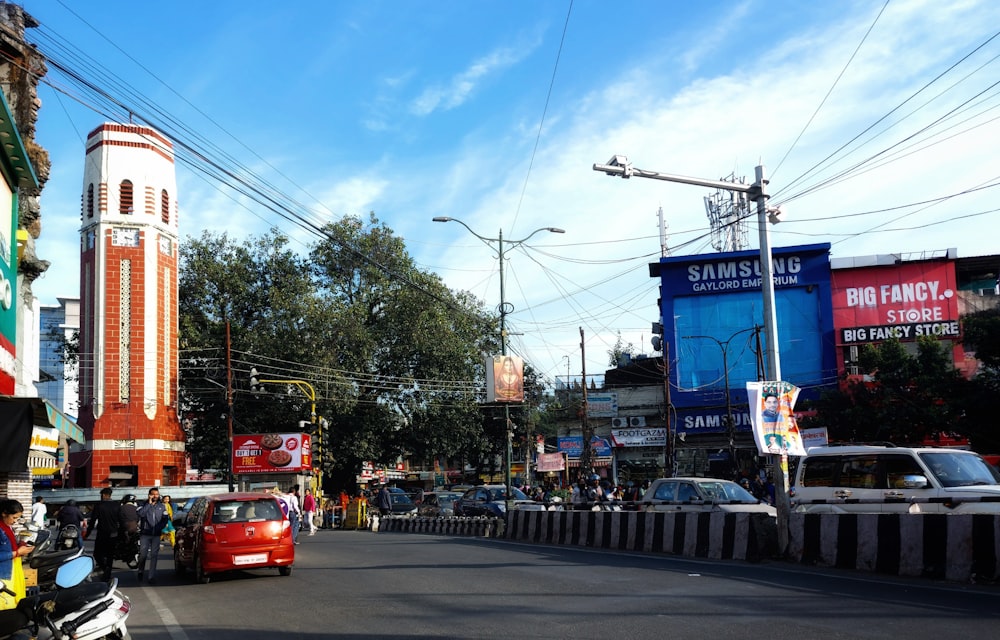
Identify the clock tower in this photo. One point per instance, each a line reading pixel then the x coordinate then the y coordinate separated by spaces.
pixel 128 312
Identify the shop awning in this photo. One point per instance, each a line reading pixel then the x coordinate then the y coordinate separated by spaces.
pixel 66 425
pixel 42 463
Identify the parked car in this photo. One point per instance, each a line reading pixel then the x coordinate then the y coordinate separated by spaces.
pixel 490 500
pixel 402 505
pixel 230 531
pixel 699 495
pixel 438 504
pixel 868 479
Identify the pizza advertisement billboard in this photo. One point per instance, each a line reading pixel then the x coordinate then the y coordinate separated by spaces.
pixel 272 453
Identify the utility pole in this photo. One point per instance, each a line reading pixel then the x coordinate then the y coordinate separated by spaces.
pixel 587 454
pixel 620 166
pixel 229 402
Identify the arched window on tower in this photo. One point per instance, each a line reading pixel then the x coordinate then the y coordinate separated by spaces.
pixel 125 198
pixel 90 200
pixel 165 206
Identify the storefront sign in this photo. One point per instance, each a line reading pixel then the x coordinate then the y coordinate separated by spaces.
pixel 602 405
pixel 550 462
pixel 904 301
pixel 641 437
pixel 572 446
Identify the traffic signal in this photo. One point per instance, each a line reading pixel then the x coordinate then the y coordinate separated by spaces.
pixel 308 427
pixel 254 380
pixel 657 339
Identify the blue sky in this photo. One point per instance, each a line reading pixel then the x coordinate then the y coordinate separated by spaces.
pixel 416 109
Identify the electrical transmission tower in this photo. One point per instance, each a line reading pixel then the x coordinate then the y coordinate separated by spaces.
pixel 727 214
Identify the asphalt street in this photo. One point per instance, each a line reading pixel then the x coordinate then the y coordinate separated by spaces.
pixel 358 584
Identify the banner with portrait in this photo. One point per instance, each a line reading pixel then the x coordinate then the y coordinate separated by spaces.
pixel 505 379
pixel 772 405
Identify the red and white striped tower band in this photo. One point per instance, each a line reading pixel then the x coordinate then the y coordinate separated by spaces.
pixel 128 311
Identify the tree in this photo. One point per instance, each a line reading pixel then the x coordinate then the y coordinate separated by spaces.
pixel 415 348
pixel 262 289
pixel 981 334
pixel 906 399
pixel 620 349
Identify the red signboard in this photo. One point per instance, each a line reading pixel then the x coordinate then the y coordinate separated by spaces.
pixel 904 301
pixel 272 452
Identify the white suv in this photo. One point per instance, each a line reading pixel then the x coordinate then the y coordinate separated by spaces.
pixel 865 479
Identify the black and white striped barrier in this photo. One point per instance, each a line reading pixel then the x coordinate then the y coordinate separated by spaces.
pixel 478 527
pixel 953 547
pixel 722 536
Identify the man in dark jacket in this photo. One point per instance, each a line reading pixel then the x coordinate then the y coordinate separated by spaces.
pixel 70 514
pixel 152 519
pixel 105 519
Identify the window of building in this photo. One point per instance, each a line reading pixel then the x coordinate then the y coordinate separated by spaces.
pixel 90 200
pixel 165 207
pixel 126 202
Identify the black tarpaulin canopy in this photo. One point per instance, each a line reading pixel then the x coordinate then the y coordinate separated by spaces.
pixel 16 420
pixel 17 417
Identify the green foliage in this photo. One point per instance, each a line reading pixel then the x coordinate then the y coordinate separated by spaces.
pixel 981 334
pixel 394 356
pixel 908 398
pixel 617 351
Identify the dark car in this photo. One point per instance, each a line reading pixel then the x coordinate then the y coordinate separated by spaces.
pixel 181 511
pixel 230 531
pixel 490 500
pixel 438 504
pixel 402 505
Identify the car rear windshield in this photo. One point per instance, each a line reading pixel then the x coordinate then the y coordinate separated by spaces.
pixel 246 510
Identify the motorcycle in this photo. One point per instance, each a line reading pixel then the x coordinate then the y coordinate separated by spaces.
pixel 74 610
pixel 127 549
pixel 68 537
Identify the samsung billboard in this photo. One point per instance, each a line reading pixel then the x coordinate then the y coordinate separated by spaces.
pixel 712 314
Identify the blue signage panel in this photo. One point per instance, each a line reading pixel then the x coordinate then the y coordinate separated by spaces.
pixel 572 446
pixel 712 312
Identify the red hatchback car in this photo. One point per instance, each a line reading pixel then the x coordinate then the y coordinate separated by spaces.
pixel 230 531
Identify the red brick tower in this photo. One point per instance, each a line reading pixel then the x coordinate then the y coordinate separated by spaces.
pixel 128 312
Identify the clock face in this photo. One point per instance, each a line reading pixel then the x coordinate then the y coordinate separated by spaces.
pixel 166 246
pixel 125 237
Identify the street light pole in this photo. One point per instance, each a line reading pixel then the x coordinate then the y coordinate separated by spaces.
pixel 309 392
pixel 504 309
pixel 730 423
pixel 620 166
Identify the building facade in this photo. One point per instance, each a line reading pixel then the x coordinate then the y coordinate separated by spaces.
pixel 128 311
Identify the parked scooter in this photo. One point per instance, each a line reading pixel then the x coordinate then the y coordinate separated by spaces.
pixel 49 555
pixel 74 610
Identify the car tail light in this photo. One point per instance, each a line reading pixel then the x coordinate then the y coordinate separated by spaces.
pixel 286 528
pixel 208 533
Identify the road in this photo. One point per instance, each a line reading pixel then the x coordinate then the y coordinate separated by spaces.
pixel 358 584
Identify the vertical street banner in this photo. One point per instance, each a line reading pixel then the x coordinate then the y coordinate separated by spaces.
pixel 772 415
pixel 504 379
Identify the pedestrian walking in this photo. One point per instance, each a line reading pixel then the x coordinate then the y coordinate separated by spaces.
pixel 309 511
pixel 152 520
pixel 105 520
pixel 383 502
pixel 39 512
pixel 295 512
pixel 169 532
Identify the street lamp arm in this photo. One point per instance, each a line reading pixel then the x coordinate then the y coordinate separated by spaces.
pixel 509 243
